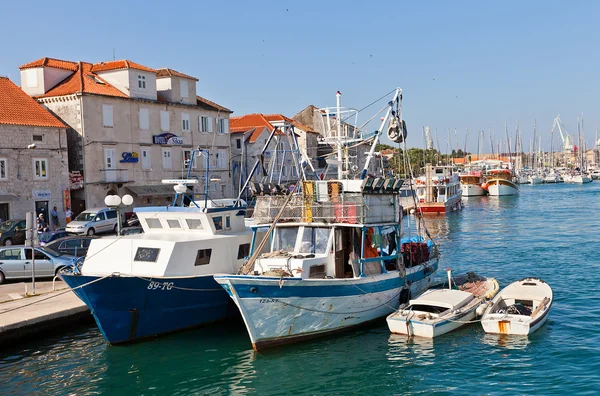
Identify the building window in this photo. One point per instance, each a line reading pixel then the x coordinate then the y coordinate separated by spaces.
pixel 203 257
pixel 146 162
pixel 40 168
pixel 146 254
pixel 238 143
pixel 222 159
pixel 107 116
pixel 167 163
pixel 3 171
pixel 165 122
pixel 185 122
pixel 223 125
pixel 187 158
pixel 144 119
pixel 37 138
pixel 243 251
pixel 109 159
pixel 141 82
pixel 205 124
pixel 183 88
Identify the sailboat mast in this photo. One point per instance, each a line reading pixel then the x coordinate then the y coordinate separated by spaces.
pixel 338 97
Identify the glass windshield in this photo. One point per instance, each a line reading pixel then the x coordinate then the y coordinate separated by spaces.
pixel 285 238
pixel 314 240
pixel 6 225
pixel 45 236
pixel 85 216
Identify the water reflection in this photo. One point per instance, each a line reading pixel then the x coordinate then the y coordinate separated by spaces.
pixel 506 341
pixel 410 350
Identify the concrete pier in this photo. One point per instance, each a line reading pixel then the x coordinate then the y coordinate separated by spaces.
pixel 26 317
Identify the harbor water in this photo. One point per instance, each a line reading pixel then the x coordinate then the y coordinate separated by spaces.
pixel 549 231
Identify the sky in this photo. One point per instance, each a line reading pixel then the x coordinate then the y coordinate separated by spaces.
pixel 462 64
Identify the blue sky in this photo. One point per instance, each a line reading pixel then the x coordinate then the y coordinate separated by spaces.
pixel 460 64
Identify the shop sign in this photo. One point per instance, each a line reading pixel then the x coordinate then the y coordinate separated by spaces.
pixel 167 138
pixel 131 157
pixel 67 199
pixel 42 194
pixel 75 180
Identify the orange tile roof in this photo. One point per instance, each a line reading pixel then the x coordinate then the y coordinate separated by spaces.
pixel 51 62
pixel 166 72
pixel 84 81
pixel 119 64
pixel 297 124
pixel 18 108
pixel 250 122
pixel 203 102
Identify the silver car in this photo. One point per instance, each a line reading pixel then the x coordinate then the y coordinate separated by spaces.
pixel 93 221
pixel 16 262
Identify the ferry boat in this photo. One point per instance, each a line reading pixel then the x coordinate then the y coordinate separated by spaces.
pixel 335 256
pixel 439 191
pixel 160 281
pixel 500 183
pixel 470 184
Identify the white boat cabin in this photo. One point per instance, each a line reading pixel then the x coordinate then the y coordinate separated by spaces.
pixel 438 185
pixel 177 241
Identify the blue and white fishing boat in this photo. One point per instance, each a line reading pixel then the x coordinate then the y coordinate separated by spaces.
pixel 138 286
pixel 332 257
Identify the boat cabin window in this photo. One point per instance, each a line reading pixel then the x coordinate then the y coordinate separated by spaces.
pixel 442 190
pixel 203 257
pixel 173 223
pixel 243 251
pixel 429 308
pixel 194 224
pixel 285 238
pixel 317 271
pixel 314 240
pixel 218 221
pixel 146 254
pixel 228 222
pixel 153 223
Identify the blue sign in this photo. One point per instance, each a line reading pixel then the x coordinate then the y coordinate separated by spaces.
pixel 130 157
pixel 167 138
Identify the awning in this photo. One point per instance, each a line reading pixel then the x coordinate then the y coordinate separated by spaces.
pixel 151 190
pixel 7 197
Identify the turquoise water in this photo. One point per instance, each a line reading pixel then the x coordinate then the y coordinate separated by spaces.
pixel 549 231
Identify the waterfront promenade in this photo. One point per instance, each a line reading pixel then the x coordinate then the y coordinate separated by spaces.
pixel 22 316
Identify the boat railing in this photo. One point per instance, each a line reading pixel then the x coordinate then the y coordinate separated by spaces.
pixel 350 208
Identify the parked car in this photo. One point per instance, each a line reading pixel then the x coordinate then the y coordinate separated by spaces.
pixel 12 232
pixel 45 238
pixel 16 262
pixel 132 230
pixel 93 221
pixel 72 245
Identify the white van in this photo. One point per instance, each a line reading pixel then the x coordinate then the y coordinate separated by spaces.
pixel 93 221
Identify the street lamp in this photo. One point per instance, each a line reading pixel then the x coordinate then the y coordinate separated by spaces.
pixel 116 202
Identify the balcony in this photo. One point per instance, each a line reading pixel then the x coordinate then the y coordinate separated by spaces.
pixel 114 176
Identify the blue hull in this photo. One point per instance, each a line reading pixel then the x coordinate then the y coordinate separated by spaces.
pixel 129 308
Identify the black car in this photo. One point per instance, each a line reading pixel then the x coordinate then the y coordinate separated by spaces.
pixel 12 232
pixel 45 238
pixel 72 245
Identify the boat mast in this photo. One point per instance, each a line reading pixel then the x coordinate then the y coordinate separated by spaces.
pixel 338 97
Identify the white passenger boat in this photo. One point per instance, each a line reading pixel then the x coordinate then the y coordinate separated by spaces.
pixel 470 184
pixel 439 311
pixel 520 308
pixel 500 183
pixel 335 253
pixel 439 190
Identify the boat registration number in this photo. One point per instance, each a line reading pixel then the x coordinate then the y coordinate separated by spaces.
pixel 268 300
pixel 160 285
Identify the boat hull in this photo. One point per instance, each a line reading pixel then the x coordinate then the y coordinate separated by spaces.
pixel 130 308
pixel 512 324
pixel 472 190
pixel 451 204
pixel 502 188
pixel 428 329
pixel 280 311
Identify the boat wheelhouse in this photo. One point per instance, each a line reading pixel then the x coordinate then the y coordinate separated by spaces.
pixel 470 183
pixel 439 191
pixel 499 182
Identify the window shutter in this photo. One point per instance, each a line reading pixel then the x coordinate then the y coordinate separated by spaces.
pixel 107 115
pixel 144 119
pixel 210 124
pixel 164 121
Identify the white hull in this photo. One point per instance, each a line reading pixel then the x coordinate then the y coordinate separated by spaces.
pixel 582 179
pixel 510 324
pixel 535 180
pixel 302 309
pixel 472 190
pixel 399 325
pixel 502 189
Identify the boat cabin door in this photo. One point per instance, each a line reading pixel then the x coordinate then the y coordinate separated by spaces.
pixel 342 246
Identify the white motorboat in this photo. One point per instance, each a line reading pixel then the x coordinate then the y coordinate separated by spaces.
pixel 551 178
pixel 470 184
pixel 439 311
pixel 595 174
pixel 535 179
pixel 500 183
pixel 520 308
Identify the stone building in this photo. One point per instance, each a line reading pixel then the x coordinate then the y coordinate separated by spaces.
pixel 131 126
pixel 249 134
pixel 34 173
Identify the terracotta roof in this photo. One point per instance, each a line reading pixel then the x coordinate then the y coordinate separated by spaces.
pixel 118 65
pixel 84 81
pixel 297 124
pixel 18 108
pixel 247 123
pixel 51 62
pixel 166 72
pixel 203 102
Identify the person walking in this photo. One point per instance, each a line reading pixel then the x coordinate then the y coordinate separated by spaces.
pixel 68 215
pixel 54 218
pixel 41 223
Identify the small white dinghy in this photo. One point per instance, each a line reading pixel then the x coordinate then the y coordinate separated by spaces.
pixel 440 311
pixel 520 308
